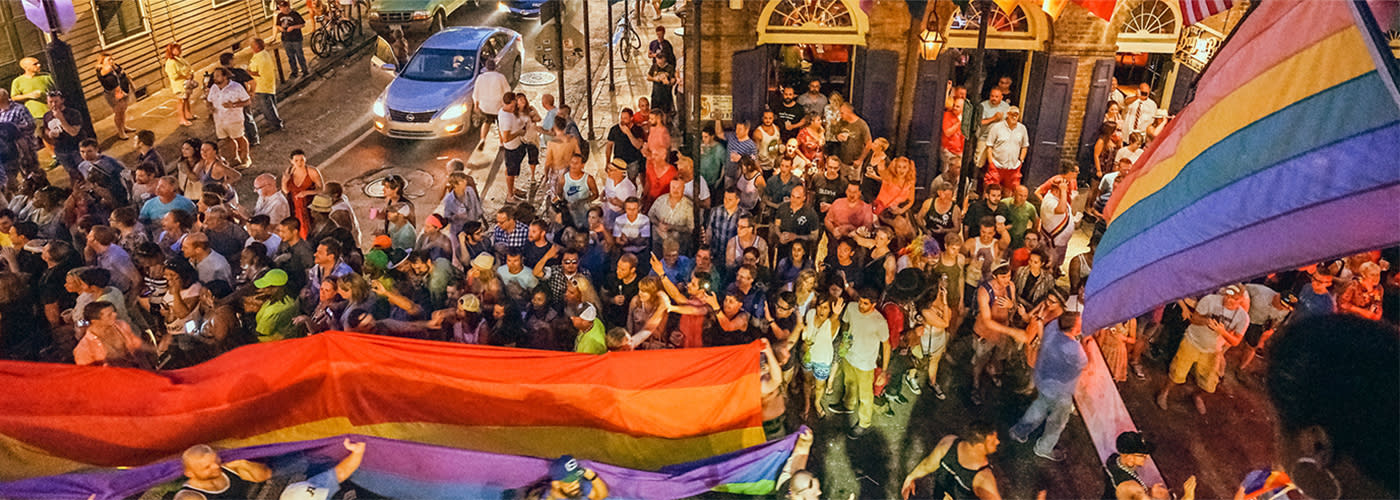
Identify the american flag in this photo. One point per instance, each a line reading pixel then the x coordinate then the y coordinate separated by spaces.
pixel 1196 10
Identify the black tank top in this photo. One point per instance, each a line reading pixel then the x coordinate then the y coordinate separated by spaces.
pixel 936 221
pixel 1117 475
pixel 238 488
pixel 952 479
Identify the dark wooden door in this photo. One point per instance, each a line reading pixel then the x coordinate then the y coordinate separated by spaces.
pixel 926 120
pixel 748 82
pixel 1100 87
pixel 1051 112
pixel 875 74
pixel 1183 88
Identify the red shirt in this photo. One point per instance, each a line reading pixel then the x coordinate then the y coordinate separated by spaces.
pixel 953 143
pixel 658 183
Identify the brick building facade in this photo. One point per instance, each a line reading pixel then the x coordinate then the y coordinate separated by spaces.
pixel 1060 68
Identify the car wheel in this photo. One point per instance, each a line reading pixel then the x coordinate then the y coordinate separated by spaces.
pixel 438 22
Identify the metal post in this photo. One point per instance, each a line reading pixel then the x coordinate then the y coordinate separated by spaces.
pixel 588 69
pixel 612 77
pixel 64 70
pixel 974 88
pixel 692 80
pixel 559 51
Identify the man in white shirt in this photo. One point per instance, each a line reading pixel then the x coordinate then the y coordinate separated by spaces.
pixel 870 349
pixel 1006 143
pixel 512 129
pixel 1218 321
pixel 487 90
pixel 1141 110
pixel 993 110
pixel 632 229
pixel 271 201
pixel 228 98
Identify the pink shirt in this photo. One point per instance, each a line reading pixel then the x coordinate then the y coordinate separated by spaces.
pixel 659 141
pixel 842 212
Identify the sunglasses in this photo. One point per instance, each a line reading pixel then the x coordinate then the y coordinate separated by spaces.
pixel 571 261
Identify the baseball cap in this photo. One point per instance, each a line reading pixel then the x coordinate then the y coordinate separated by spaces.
pixel 585 311
pixel 1232 290
pixel 383 241
pixel 318 487
pixel 273 277
pixel 469 303
pixel 484 262
pixel 377 258
pixel 1289 300
pixel 565 469
pixel 433 221
pixel 1132 443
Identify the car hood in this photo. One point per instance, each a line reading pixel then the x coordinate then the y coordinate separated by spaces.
pixel 417 96
pixel 401 5
pixel 525 4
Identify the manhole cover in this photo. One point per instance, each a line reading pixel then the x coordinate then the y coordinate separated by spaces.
pixel 536 78
pixel 418 183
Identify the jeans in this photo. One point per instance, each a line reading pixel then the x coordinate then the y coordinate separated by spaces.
pixel 295 56
pixel 250 126
pixel 860 392
pixel 1054 412
pixel 70 161
pixel 267 104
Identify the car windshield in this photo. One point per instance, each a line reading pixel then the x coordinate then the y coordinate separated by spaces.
pixel 441 65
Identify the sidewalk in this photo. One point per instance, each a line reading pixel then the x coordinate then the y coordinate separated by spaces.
pixel 157 112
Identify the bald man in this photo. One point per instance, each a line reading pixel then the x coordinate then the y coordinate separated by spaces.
pixel 211 479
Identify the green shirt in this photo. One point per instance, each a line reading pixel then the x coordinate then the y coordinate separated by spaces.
pixel 25 84
pixel 712 160
pixel 274 319
pixel 1018 220
pixel 593 341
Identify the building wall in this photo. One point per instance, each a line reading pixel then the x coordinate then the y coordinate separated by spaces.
pixel 203 30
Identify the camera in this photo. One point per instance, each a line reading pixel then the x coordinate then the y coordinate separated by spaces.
pixel 208 79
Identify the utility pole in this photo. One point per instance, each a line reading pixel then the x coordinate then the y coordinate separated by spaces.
pixel 588 69
pixel 974 91
pixel 64 70
pixel 559 50
pixel 612 76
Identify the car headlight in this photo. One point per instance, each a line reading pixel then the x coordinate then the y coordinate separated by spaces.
pixel 453 112
pixel 374 14
pixel 379 109
pixel 501 7
pixel 422 14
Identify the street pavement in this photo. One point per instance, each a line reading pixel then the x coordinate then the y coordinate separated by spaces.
pixel 329 119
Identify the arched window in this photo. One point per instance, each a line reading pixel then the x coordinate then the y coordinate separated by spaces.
pixel 1002 22
pixel 834 22
pixel 1394 37
pixel 1149 26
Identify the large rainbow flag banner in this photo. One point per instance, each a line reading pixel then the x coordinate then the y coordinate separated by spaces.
pixel 641 410
pixel 402 469
pixel 1289 154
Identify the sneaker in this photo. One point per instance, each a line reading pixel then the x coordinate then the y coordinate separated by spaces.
pixel 912 382
pixel 839 409
pixel 857 432
pixel 1018 438
pixel 1055 455
pixel 1139 372
pixel 938 392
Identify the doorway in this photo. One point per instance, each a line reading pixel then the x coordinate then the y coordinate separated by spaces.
pixel 794 65
pixel 999 63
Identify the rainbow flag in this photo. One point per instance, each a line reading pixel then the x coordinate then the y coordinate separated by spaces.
pixel 404 469
pixel 1289 154
pixel 642 410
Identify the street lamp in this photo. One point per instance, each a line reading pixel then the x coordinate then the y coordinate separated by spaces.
pixel 931 39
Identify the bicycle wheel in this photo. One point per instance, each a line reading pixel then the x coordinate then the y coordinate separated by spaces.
pixel 344 31
pixel 632 39
pixel 320 43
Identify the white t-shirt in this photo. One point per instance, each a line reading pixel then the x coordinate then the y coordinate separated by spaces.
pixel 506 121
pixel 191 296
pixel 868 331
pixel 1050 220
pixel 619 190
pixel 1006 143
pixel 821 351
pixel 489 91
pixel 988 111
pixel 232 92
pixel 1124 152
pixel 640 228
pixel 1213 305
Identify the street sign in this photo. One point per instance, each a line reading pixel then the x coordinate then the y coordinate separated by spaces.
pixel 34 11
pixel 710 103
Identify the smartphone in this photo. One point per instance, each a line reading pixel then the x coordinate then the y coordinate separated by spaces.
pixel 190 327
pixel 706 286
pixel 373 213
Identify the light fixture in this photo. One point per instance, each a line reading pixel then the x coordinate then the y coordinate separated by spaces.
pixel 931 40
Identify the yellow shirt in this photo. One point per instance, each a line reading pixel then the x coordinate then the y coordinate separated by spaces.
pixel 5 241
pixel 266 71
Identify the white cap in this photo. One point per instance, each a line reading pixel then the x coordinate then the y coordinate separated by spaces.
pixel 318 487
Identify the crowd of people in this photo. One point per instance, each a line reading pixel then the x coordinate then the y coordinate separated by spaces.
pixel 802 229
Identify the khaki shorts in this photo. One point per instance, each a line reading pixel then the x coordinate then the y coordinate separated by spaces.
pixel 1187 355
pixel 229 130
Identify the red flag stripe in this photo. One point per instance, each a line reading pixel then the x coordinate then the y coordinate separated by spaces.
pixel 1196 10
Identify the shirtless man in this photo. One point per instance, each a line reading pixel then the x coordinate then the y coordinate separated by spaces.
pixel 562 147
pixel 996 299
pixel 214 479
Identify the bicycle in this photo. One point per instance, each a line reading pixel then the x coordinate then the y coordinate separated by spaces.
pixel 625 35
pixel 332 31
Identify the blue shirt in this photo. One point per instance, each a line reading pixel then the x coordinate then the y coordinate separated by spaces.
pixel 1060 363
pixel 1311 303
pixel 679 273
pixel 154 209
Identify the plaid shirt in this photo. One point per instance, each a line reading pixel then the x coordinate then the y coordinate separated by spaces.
pixel 19 116
pixel 723 227
pixel 516 238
